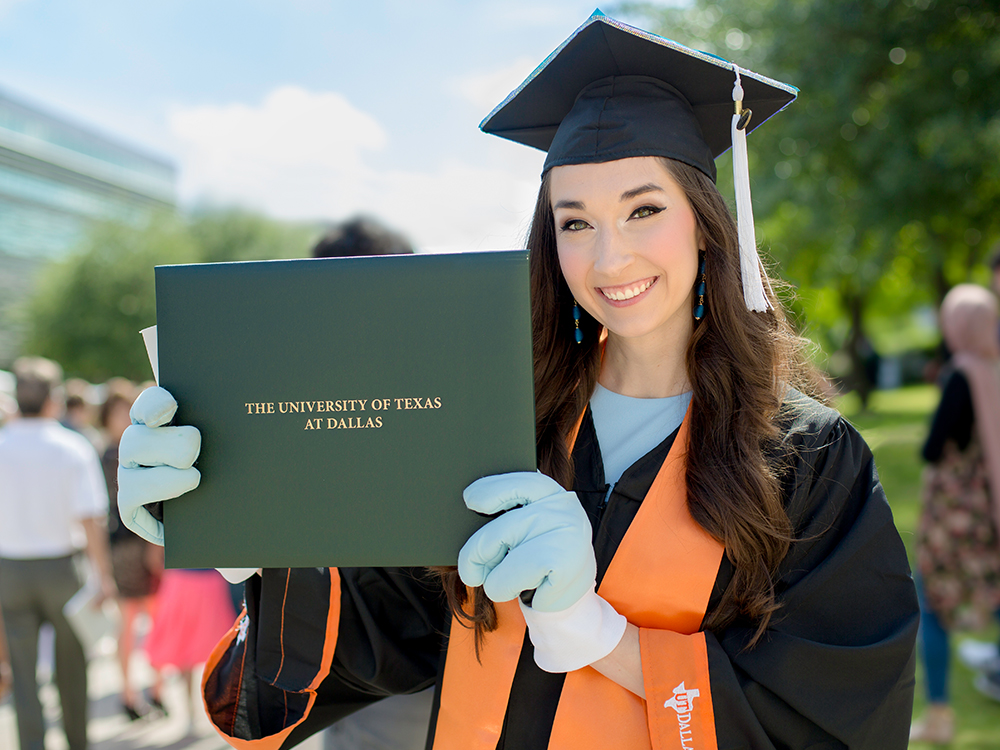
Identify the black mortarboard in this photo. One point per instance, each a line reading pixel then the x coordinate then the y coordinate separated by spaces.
pixel 611 91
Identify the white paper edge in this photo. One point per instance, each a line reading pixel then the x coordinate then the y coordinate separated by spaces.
pixel 149 339
pixel 237 575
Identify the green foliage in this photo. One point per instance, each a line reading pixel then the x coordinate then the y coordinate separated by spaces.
pixel 878 189
pixel 87 310
pixel 897 113
pixel 233 234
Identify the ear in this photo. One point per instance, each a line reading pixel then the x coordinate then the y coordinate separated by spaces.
pixel 699 238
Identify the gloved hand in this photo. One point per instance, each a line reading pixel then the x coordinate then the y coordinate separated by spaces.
pixel 154 462
pixel 543 542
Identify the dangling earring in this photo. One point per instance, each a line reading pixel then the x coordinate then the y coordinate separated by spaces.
pixel 577 333
pixel 699 308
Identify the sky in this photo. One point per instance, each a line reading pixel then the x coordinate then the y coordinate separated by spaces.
pixel 305 109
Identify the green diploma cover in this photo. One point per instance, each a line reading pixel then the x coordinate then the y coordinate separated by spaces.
pixel 344 404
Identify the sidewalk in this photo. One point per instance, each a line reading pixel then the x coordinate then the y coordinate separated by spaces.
pixel 110 729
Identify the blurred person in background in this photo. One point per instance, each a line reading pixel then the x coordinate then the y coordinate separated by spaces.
pixel 360 235
pixel 53 504
pixel 137 565
pixel 400 721
pixel 78 414
pixel 958 552
pixel 984 656
pixel 193 612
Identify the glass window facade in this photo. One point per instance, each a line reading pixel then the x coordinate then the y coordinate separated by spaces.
pixel 56 177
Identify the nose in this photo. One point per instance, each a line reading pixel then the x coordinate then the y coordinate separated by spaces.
pixel 613 252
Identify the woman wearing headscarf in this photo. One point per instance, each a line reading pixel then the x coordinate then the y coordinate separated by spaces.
pixel 958 553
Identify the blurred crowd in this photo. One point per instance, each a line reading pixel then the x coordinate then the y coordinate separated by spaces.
pixel 59 456
pixel 61 538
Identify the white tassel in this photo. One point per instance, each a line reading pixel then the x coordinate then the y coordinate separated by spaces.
pixel 751 268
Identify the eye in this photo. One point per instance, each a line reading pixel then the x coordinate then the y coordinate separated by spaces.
pixel 574 225
pixel 645 211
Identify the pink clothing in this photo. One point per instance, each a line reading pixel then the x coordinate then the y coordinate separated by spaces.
pixel 194 610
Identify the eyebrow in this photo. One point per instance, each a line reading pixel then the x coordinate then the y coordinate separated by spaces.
pixel 650 187
pixel 628 195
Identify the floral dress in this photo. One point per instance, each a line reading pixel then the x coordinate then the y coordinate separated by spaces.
pixel 958 552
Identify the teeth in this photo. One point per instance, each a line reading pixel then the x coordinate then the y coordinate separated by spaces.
pixel 620 295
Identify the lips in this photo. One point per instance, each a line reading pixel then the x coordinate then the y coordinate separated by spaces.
pixel 627 291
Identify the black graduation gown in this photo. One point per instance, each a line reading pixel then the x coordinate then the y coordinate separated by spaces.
pixel 835 668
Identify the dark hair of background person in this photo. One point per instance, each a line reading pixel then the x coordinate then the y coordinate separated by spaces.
pixel 360 235
pixel 37 380
pixel 76 393
pixel 739 363
pixel 119 390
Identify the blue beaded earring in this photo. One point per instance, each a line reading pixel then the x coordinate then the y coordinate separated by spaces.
pixel 699 308
pixel 577 333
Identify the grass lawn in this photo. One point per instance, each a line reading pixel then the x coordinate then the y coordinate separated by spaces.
pixel 895 428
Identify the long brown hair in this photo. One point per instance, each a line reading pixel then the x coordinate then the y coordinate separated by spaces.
pixel 739 364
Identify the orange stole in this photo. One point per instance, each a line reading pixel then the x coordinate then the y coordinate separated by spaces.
pixel 661 577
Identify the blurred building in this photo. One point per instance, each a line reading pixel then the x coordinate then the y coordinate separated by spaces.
pixel 57 176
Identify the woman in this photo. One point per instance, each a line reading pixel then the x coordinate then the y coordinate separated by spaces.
pixel 706 558
pixel 958 552
pixel 194 610
pixel 135 563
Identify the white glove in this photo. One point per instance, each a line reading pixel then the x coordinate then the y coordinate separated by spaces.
pixel 542 543
pixel 154 462
pixel 576 637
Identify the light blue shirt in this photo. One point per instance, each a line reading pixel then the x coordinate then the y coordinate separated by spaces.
pixel 628 428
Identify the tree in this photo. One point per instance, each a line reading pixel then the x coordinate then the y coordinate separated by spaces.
pixel 235 234
pixel 88 309
pixel 878 190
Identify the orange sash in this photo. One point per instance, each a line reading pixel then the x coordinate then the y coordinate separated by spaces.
pixel 661 579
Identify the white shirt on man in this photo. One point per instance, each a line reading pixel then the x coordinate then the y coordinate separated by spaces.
pixel 50 480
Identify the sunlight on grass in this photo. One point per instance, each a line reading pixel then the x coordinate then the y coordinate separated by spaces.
pixel 913 402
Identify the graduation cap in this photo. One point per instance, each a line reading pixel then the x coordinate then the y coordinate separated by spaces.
pixel 612 91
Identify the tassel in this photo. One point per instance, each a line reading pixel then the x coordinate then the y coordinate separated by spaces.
pixel 750 266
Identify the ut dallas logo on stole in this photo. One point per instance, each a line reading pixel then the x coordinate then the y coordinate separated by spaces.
pixel 682 702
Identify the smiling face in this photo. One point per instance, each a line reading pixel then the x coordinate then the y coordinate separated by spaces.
pixel 628 245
